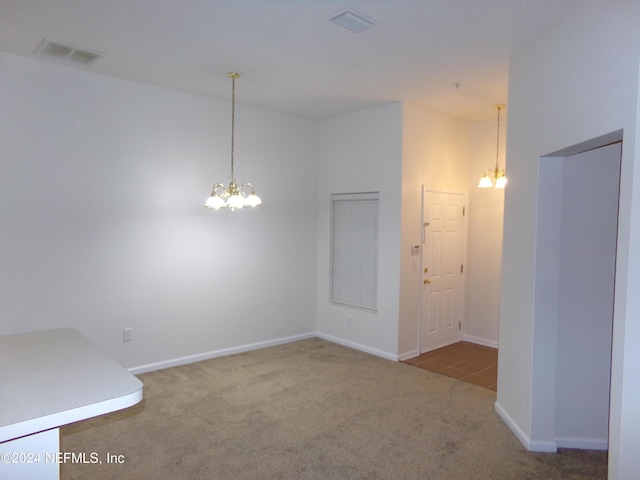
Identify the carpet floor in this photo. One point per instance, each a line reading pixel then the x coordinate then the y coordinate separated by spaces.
pixel 311 410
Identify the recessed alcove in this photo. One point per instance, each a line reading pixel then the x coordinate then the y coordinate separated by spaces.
pixel 577 225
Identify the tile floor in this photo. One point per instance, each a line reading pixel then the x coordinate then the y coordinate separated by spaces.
pixel 465 361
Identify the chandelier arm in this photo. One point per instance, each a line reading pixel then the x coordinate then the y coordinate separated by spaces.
pixel 215 188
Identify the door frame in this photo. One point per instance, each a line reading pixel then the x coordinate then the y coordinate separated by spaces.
pixel 465 240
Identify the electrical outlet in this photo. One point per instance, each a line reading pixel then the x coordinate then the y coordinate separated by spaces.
pixel 127 334
pixel 349 320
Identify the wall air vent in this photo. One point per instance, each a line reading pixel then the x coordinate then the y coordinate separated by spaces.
pixel 353 21
pixel 67 53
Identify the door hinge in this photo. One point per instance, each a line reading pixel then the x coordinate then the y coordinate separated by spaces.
pixel 463 211
pixel 461 268
pixel 459 325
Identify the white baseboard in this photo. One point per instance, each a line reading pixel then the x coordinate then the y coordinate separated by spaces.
pixel 407 355
pixel 357 346
pixel 550 447
pixel 583 443
pixel 465 338
pixel 175 362
pixel 480 341
pixel 217 353
pixel 533 446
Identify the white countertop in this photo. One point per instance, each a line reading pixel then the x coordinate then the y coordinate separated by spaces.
pixel 55 377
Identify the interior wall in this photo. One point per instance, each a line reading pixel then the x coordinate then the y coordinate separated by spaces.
pixel 435 154
pixel 362 152
pixel 556 100
pixel 101 202
pixel 485 227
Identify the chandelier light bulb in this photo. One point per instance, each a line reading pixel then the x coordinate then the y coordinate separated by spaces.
pixel 215 202
pixel 485 181
pixel 253 200
pixel 501 180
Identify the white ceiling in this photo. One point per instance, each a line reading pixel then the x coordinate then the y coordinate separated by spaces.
pixel 291 56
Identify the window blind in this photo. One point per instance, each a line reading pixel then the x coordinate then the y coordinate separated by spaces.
pixel 354 279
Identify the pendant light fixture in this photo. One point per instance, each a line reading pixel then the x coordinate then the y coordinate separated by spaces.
pixel 495 178
pixel 234 196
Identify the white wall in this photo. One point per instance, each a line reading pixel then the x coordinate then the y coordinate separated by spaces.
pixel 436 155
pixel 576 82
pixel 101 191
pixel 362 152
pixel 485 220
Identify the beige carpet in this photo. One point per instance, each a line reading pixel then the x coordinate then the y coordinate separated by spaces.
pixel 311 410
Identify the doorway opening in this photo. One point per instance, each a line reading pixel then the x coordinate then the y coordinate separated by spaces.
pixel 574 292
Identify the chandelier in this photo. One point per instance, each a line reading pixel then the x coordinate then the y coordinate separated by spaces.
pixel 494 178
pixel 234 196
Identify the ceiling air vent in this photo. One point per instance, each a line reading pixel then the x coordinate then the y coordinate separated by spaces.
pixel 67 53
pixel 352 21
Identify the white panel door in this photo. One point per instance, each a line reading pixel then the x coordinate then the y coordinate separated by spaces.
pixel 442 269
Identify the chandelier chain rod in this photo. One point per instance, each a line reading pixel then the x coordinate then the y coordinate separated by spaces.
pixel 498 137
pixel 233 120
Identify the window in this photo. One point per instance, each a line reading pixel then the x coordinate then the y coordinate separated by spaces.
pixel 354 245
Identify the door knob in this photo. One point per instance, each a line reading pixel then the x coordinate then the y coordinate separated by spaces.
pixel 427 281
